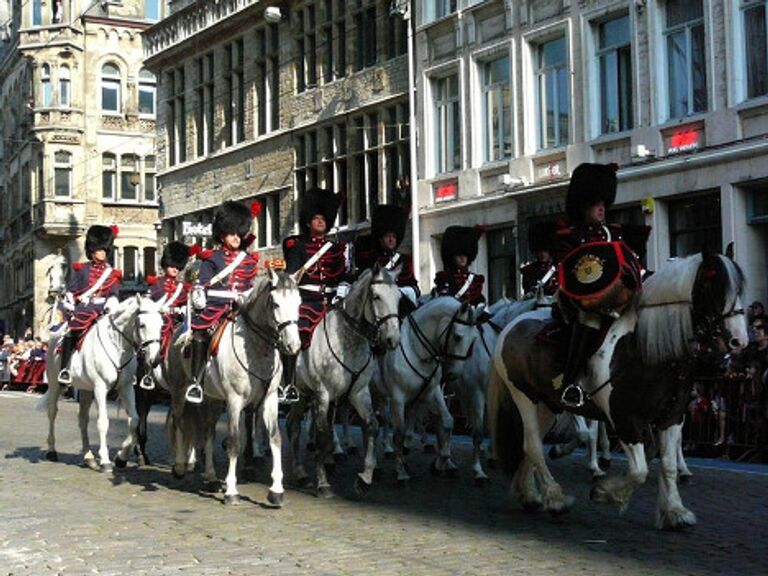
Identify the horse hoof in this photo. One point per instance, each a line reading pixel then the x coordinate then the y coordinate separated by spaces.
pixel 120 462
pixel 178 473
pixel 106 468
pixel 482 481
pixel 91 464
pixel 212 486
pixel 325 492
pixel 389 455
pixel 604 463
pixel 52 456
pixel 303 482
pixel 275 499
pixel 684 479
pixel 340 458
pixel 352 451
pixel 361 486
pixel 232 499
pixel 429 449
pixel 141 460
pixel 553 453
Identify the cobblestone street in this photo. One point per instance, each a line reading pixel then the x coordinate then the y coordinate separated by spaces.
pixel 61 518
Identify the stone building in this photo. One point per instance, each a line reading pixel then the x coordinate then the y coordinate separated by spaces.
pixel 78 125
pixel 513 95
pixel 260 100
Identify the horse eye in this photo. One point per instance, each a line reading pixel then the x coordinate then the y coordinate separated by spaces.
pixel 275 305
pixel 376 297
pixel 457 337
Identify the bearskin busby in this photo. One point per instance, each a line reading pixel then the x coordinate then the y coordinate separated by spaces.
pixel 459 240
pixel 388 218
pixel 176 255
pixel 542 236
pixel 590 183
pixel 319 201
pixel 98 238
pixel 231 218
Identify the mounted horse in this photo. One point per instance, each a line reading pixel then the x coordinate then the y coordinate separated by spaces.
pixel 105 360
pixel 245 369
pixel 338 366
pixel 440 330
pixel 639 376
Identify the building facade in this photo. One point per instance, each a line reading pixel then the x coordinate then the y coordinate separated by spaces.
pixel 513 95
pixel 78 125
pixel 259 101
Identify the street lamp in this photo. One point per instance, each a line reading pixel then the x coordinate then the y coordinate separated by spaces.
pixel 403 9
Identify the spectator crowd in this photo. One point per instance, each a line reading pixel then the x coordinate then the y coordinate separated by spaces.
pixel 22 362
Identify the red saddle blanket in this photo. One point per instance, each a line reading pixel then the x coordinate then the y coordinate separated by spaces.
pixel 593 270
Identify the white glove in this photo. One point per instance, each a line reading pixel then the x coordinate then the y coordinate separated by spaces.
pixel 111 304
pixel 410 293
pixel 342 290
pixel 69 302
pixel 198 297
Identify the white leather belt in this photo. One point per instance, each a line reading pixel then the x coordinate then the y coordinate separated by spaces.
pixel 317 288
pixel 98 301
pixel 228 294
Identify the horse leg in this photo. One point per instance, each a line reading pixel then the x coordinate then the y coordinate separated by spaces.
pixel 618 490
pixel 605 446
pixel 478 418
pixel 294 424
pixel 128 398
pixel 361 402
pixel 52 406
pixel 670 512
pixel 594 465
pixel 386 429
pixel 258 446
pixel 554 500
pixel 102 423
pixel 323 442
pixel 234 409
pixel 84 402
pixel 209 431
pixel 443 463
pixel 143 404
pixel 269 412
pixel 399 429
pixel 683 473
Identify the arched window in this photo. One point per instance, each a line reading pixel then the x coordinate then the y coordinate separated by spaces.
pixel 110 88
pixel 147 93
pixel 46 90
pixel 64 91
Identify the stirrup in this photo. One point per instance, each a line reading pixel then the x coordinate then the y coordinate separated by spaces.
pixel 569 391
pixel 287 394
pixel 64 378
pixel 194 394
pixel 147 383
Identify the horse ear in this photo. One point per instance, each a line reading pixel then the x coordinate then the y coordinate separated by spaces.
pixel 273 279
pixel 729 251
pixel 296 276
pixel 376 268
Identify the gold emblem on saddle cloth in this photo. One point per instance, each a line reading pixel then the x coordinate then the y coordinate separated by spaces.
pixel 588 269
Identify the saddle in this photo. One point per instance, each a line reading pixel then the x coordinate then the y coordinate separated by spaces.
pixel 213 350
pixel 558 334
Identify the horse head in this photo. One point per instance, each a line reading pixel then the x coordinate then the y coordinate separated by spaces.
pixel 382 303
pixel 461 332
pixel 57 275
pixel 139 321
pixel 283 301
pixel 718 312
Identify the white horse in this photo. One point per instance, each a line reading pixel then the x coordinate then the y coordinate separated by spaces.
pixel 590 433
pixel 106 360
pixel 245 370
pixel 440 330
pixel 469 377
pixel 338 366
pixel 640 376
pixel 57 286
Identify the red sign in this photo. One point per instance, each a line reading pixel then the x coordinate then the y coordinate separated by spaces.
pixel 687 139
pixel 446 191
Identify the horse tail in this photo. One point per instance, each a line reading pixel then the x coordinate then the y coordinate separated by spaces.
pixel 505 423
pixel 191 424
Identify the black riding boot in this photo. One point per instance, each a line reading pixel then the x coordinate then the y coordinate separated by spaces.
pixel 200 343
pixel 583 339
pixel 67 349
pixel 288 391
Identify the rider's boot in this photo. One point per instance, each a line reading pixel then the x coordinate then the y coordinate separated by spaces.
pixel 287 391
pixel 200 342
pixel 67 349
pixel 583 339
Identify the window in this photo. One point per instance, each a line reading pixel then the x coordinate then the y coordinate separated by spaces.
pixel 46 90
pixel 152 10
pixel 497 110
pixel 64 87
pixel 552 93
pixel 37 12
pixel 57 11
pixel 267 79
pixel 62 174
pixel 686 61
pixel 502 264
pixel 615 68
pixel 149 179
pixel 306 48
pixel 234 111
pixel 150 255
pixel 397 35
pixel 108 176
pixel 130 266
pixel 695 221
pixel 306 161
pixel 365 22
pixel 396 155
pixel 447 120
pixel 40 177
pixel 269 220
pixel 176 124
pixel 205 105
pixel 756 46
pixel 110 89
pixel 436 9
pixel 129 177
pixel 147 93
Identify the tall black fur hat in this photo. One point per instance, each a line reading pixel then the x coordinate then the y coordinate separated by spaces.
pixel 542 235
pixel 98 238
pixel 388 218
pixel 176 254
pixel 231 218
pixel 319 201
pixel 459 240
pixel 590 183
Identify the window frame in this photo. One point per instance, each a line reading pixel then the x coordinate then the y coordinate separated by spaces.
pixel 486 90
pixel 109 81
pixel 112 173
pixel 624 87
pixel 148 85
pixel 540 74
pixel 62 167
pixel 65 87
pixel 687 29
pixel 46 86
pixel 446 113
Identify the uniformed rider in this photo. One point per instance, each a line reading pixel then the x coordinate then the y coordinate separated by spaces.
pixel 458 250
pixel 226 274
pixel 171 292
pixel 598 267
pixel 387 232
pixel 542 269
pixel 92 289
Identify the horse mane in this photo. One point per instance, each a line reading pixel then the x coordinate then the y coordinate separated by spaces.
pixel 353 302
pixel 511 310
pixel 665 328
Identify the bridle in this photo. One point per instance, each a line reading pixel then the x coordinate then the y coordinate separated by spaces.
pixel 136 344
pixel 269 334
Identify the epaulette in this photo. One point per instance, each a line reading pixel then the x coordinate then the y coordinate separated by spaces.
pixel 151 280
pixel 77 266
pixel 290 242
pixel 205 254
